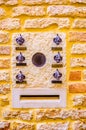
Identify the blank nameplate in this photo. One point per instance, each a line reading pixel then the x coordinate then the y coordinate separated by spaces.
pixel 57 65
pixel 21 64
pixel 21 48
pixel 56 82
pixel 38 98
pixel 56 48
pixel 23 82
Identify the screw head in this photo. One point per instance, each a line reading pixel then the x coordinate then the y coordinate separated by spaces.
pixel 20 40
pixel 57 75
pixel 20 58
pixel 20 77
pixel 57 40
pixel 58 57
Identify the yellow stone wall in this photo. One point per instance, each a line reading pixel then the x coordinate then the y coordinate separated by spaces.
pixel 65 16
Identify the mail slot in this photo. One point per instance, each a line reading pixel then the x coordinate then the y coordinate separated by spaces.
pixel 38 70
pixel 39 97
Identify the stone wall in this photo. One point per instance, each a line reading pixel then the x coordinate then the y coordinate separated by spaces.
pixel 65 16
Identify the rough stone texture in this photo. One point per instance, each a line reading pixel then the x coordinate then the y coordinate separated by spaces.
pixel 79 100
pixel 79 23
pixel 45 22
pixel 75 75
pixel 79 125
pixel 5 50
pixel 53 126
pixel 78 114
pixel 29 10
pixel 10 23
pixel 78 62
pixel 4 75
pixel 77 36
pixel 56 1
pixel 5 63
pixel 26 116
pixel 33 2
pixel 33 73
pixel 9 2
pixel 22 126
pixel 4 125
pixel 10 114
pixel 78 49
pixel 4 88
pixel 2 12
pixel 69 14
pixel 52 114
pixel 60 114
pixel 4 37
pixel 64 10
pixel 77 88
pixel 78 1
pixel 37 2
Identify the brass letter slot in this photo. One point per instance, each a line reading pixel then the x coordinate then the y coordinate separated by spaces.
pixel 39 97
